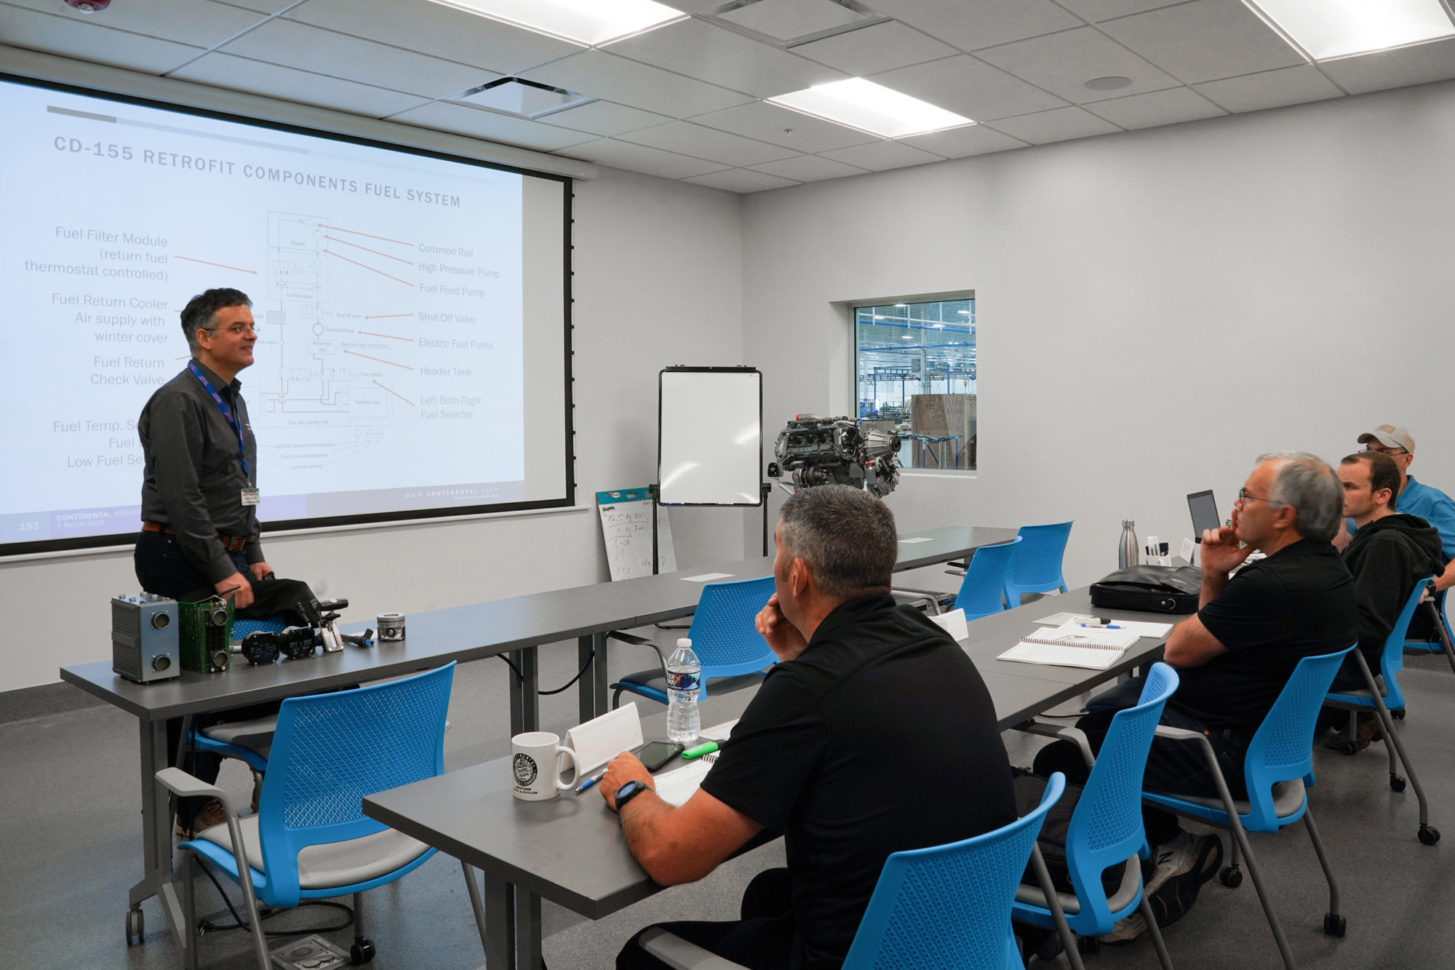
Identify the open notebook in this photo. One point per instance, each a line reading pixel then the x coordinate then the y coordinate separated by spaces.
pixel 1074 645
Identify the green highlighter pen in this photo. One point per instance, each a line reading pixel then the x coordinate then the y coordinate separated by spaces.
pixel 698 750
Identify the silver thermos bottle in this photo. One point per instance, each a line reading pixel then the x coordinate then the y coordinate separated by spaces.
pixel 1128 554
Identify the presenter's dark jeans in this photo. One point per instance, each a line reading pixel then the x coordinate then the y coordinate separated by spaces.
pixel 161 569
pixel 1174 767
pixel 766 938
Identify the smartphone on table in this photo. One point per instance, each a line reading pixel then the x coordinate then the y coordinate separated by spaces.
pixel 655 754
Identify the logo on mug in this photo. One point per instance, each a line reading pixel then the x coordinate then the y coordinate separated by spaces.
pixel 525 770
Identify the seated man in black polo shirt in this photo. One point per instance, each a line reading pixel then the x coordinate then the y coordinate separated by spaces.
pixel 1236 653
pixel 874 733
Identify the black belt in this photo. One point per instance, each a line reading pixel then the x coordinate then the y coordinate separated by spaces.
pixel 230 543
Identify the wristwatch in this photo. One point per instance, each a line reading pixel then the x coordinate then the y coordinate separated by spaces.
pixel 629 791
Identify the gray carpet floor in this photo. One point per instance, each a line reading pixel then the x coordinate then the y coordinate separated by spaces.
pixel 69 824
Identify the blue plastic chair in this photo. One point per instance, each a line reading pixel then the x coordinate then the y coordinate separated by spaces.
pixel 1036 567
pixel 982 592
pixel 1444 641
pixel 1386 700
pixel 1278 768
pixel 247 741
pixel 932 909
pixel 1106 829
pixel 310 838
pixel 723 636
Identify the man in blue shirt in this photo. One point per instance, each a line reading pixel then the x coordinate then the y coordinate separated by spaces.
pixel 1417 498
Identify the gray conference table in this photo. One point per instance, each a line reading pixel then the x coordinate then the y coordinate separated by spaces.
pixel 570 851
pixel 514 627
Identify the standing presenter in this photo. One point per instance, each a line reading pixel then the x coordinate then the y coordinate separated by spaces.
pixel 199 492
pixel 199 496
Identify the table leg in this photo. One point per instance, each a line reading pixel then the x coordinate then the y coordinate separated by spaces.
pixel 525 698
pixel 527 930
pixel 156 826
pixel 591 688
pixel 494 916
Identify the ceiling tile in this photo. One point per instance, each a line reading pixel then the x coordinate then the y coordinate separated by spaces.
pixel 1063 63
pixel 1270 89
pixel 808 168
pixel 741 180
pixel 1204 40
pixel 702 142
pixel 602 75
pixel 1095 11
pixel 881 156
pixel 491 126
pixel 640 158
pixel 779 126
pixel 965 141
pixel 62 34
pixel 440 31
pixel 787 19
pixel 699 49
pixel 1062 124
pixel 984 23
pixel 870 50
pixel 1419 64
pixel 969 87
pixel 1156 108
pixel 256 77
pixel 339 55
pixel 604 118
pixel 264 6
pixel 199 23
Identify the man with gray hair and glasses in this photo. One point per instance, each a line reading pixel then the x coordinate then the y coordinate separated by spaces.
pixel 1236 653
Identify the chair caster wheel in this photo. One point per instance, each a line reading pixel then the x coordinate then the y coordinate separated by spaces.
pixel 1049 947
pixel 1231 876
pixel 1334 925
pixel 1429 835
pixel 1397 714
pixel 1349 747
pixel 136 926
pixel 1087 944
pixel 1396 783
pixel 361 952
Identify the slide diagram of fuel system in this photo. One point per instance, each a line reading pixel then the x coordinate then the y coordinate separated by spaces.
pixel 349 380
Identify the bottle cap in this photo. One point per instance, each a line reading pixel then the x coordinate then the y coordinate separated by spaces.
pixel 684 642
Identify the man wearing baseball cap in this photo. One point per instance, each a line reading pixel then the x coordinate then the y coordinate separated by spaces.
pixel 1417 498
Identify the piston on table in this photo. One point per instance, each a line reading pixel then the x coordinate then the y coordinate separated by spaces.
pixel 391 626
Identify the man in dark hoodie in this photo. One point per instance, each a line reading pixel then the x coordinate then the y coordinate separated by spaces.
pixel 1389 551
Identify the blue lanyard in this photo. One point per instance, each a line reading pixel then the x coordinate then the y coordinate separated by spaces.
pixel 232 422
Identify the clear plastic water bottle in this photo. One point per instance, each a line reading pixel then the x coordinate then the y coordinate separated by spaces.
pixel 684 674
pixel 1129 553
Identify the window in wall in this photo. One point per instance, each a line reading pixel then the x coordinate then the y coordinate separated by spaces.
pixel 915 367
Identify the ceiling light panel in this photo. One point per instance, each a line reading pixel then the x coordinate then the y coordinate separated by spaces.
pixel 590 23
pixel 1327 29
pixel 870 107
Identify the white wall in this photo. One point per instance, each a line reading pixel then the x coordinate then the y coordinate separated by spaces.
pixel 657 281
pixel 1153 309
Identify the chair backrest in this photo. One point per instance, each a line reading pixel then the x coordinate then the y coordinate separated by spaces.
pixel 273 624
pixel 1282 747
pixel 949 905
pixel 723 635
pixel 982 592
pixel 1036 566
pixel 1106 828
pixel 330 750
pixel 1391 659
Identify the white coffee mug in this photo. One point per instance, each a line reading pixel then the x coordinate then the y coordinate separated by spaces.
pixel 535 765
